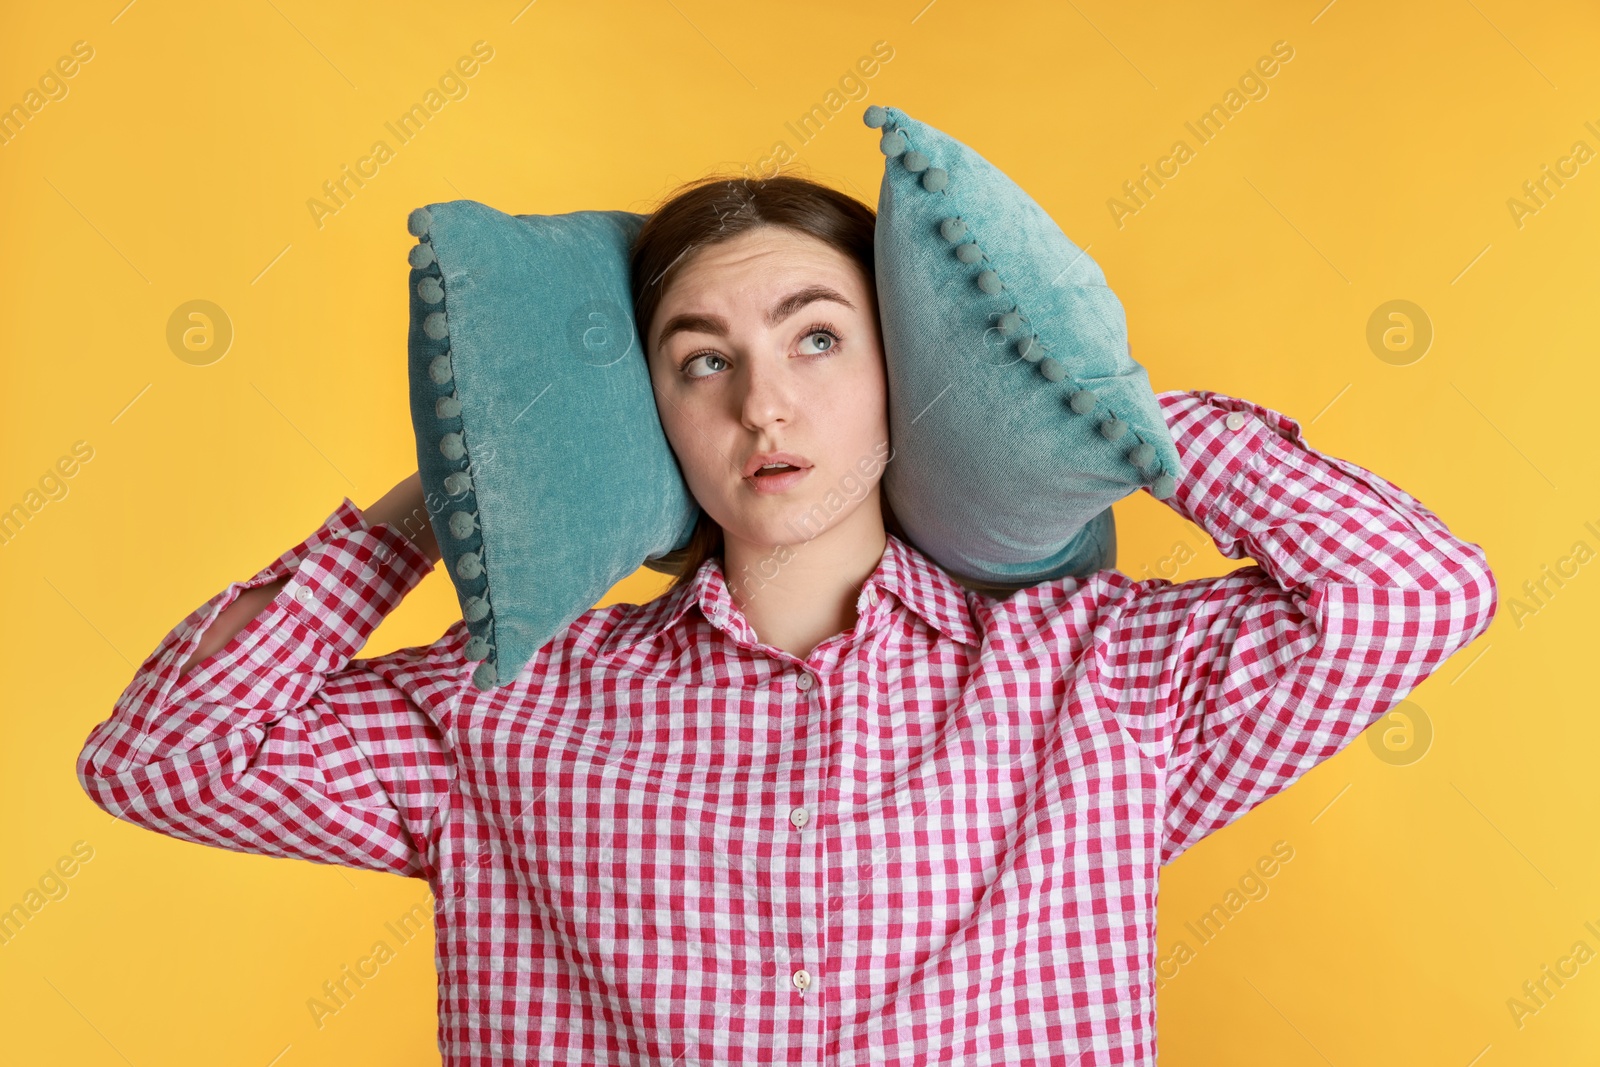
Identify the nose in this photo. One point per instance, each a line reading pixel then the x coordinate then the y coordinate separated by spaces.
pixel 767 396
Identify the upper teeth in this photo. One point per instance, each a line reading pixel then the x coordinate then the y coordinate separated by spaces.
pixel 764 466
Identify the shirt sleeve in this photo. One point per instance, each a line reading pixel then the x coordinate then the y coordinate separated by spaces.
pixel 280 743
pixel 1238 685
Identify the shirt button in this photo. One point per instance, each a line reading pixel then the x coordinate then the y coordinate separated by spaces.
pixel 303 594
pixel 799 817
pixel 1235 420
pixel 802 979
pixel 804 682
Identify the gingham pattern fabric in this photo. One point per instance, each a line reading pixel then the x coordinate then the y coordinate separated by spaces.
pixel 935 839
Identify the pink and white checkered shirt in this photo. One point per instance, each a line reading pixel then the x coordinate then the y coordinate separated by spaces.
pixel 934 839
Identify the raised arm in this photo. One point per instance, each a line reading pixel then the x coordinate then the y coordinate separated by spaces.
pixel 274 739
pixel 401 507
pixel 1238 685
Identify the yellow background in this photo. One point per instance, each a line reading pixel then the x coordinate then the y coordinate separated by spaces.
pixel 1423 891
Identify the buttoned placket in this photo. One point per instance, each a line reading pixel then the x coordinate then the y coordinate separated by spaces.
pixel 809 861
pixel 809 855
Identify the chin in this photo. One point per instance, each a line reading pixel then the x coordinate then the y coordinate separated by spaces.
pixel 775 529
pixel 791 518
pixel 800 522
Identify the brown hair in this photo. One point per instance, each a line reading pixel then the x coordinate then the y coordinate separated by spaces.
pixel 710 210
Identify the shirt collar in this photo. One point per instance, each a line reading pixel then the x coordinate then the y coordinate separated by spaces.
pixel 903 570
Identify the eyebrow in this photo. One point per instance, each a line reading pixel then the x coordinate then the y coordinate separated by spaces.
pixel 698 322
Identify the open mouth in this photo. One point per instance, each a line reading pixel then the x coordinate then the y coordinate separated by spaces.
pixel 782 468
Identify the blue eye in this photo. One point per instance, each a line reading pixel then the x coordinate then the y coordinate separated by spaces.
pixel 824 329
pixel 700 355
pixel 833 340
pixel 827 329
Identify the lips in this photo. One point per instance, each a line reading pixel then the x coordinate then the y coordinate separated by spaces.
pixel 791 461
pixel 778 480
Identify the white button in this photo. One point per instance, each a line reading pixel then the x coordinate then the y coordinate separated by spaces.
pixel 872 594
pixel 1236 420
pixel 802 978
pixel 303 594
pixel 799 817
pixel 804 681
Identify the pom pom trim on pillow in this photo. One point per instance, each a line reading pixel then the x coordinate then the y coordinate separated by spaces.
pixel 1079 401
pixel 464 547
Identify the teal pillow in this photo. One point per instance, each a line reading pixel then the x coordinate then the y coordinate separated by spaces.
pixel 546 472
pixel 1017 413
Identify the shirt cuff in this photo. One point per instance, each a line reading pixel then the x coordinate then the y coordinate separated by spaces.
pixel 348 581
pixel 344 578
pixel 1230 452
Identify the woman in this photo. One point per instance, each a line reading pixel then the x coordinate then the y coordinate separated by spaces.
pixel 818 801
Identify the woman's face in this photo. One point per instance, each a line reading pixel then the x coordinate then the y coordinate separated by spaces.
pixel 769 342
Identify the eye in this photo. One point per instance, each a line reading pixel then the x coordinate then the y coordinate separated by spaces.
pixel 815 330
pixel 684 366
pixel 822 329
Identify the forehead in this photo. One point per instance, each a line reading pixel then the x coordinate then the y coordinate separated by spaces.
pixel 757 263
pixel 764 276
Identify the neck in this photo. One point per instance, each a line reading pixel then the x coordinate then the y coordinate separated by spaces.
pixel 798 594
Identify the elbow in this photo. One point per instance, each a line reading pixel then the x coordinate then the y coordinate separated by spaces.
pixel 89 778
pixel 1429 626
pixel 1393 636
pixel 99 784
pixel 1478 597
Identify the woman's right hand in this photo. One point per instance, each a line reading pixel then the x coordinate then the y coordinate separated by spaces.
pixel 405 509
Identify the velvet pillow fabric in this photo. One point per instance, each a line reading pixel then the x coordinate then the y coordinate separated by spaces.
pixel 547 475
pixel 1016 411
